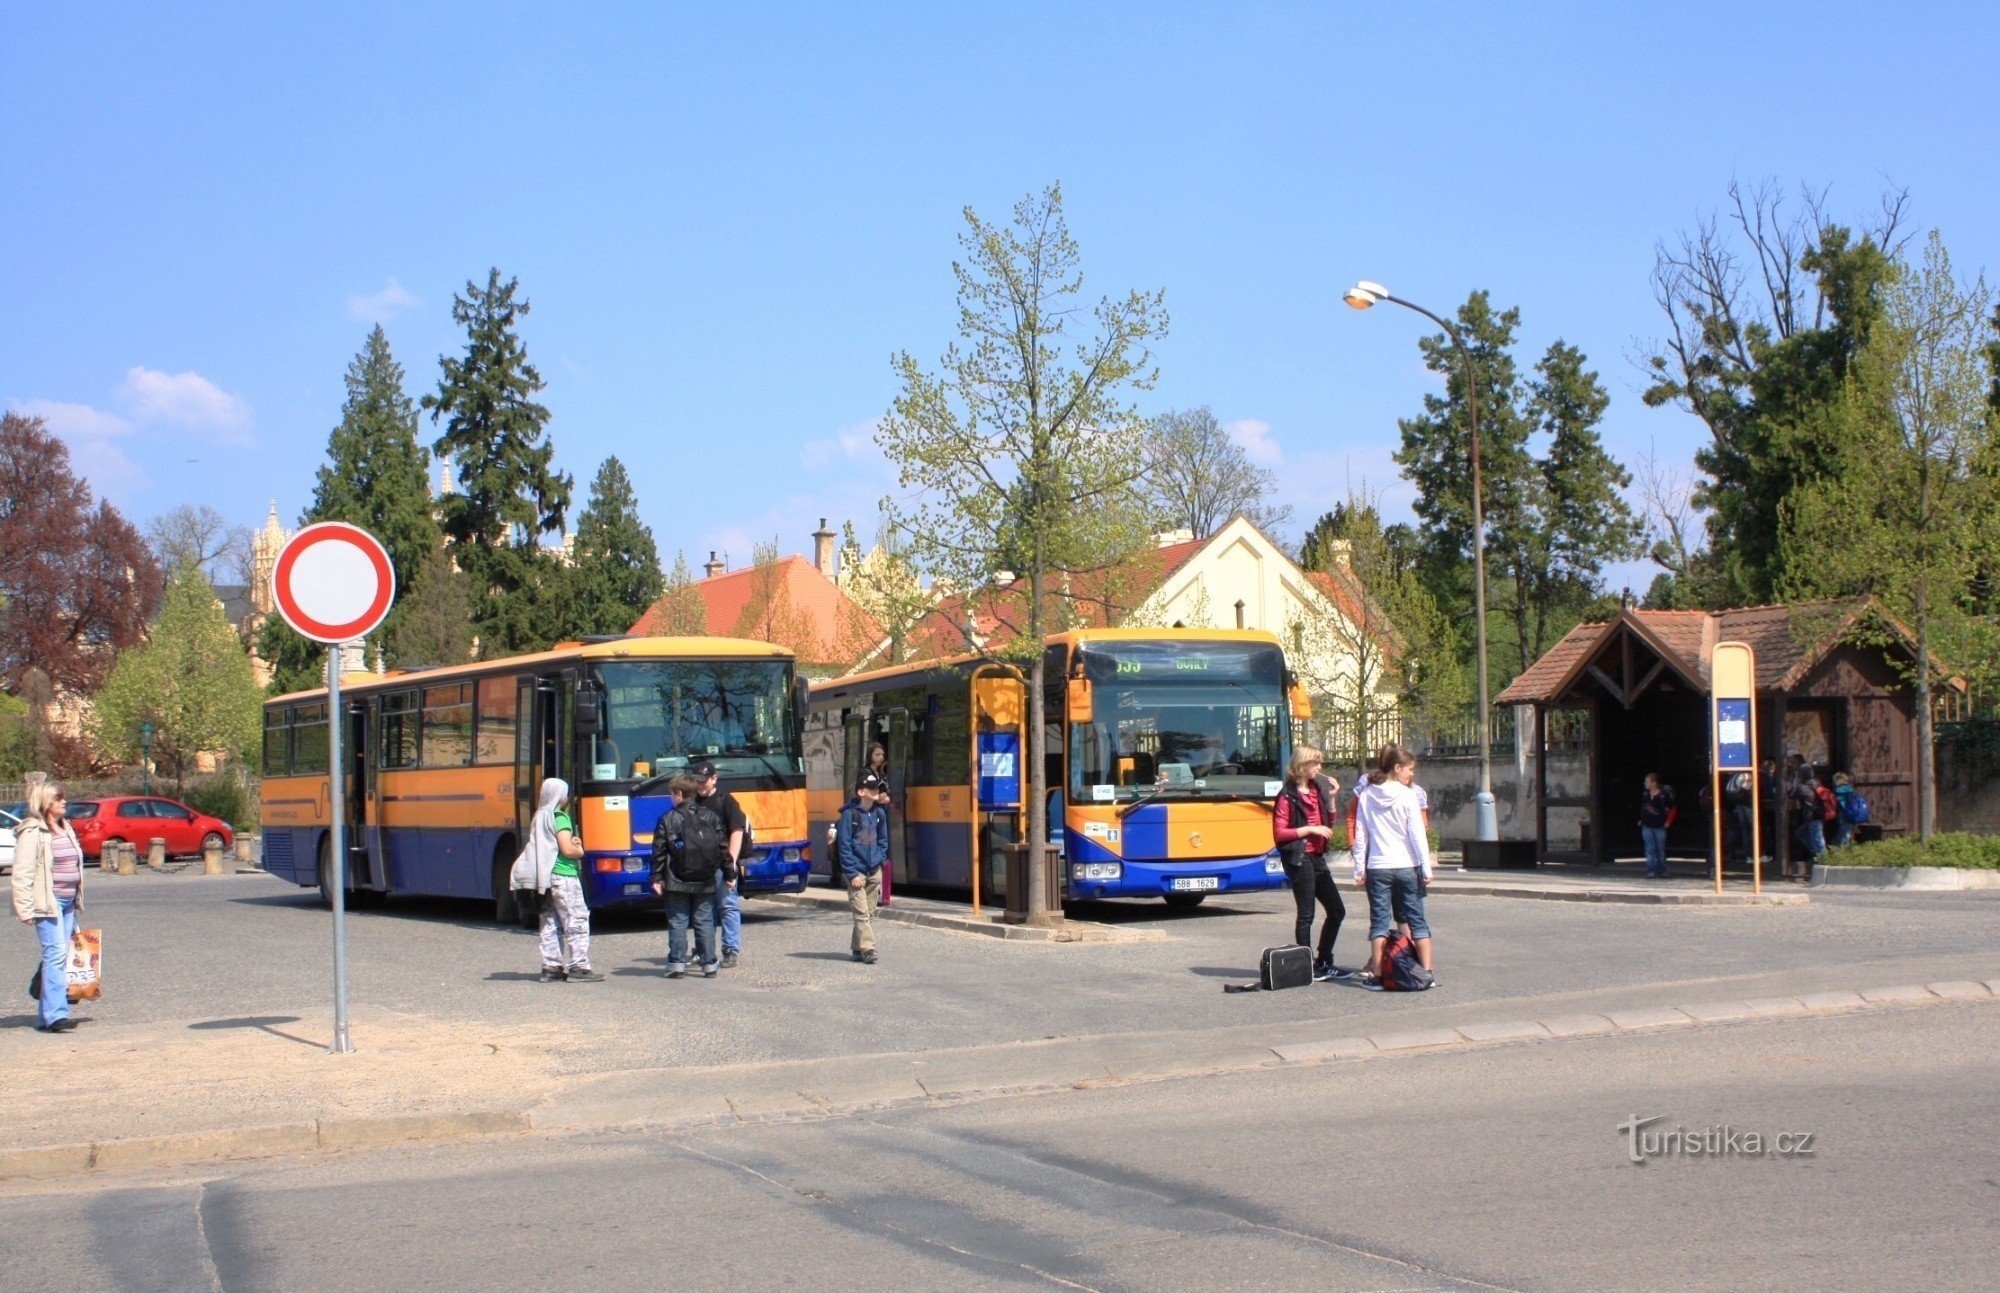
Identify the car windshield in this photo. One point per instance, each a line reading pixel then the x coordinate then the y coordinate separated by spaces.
pixel 1185 719
pixel 662 716
pixel 9 818
pixel 82 808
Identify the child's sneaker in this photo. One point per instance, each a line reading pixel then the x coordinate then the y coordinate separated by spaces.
pixel 585 975
pixel 553 974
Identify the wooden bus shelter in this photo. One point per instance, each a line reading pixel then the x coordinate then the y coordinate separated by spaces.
pixel 1835 695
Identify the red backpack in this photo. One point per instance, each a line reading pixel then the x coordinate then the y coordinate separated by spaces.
pixel 1829 807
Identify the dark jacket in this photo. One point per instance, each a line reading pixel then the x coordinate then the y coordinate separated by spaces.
pixel 1288 813
pixel 666 836
pixel 862 845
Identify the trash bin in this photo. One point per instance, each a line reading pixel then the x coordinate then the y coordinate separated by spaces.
pixel 1017 881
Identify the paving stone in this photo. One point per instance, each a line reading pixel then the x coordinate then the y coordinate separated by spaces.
pixel 1831 1000
pixel 1901 992
pixel 1960 990
pixel 1416 1039
pixel 1578 1025
pixel 1658 1017
pixel 207 1146
pixel 1771 1006
pixel 1720 1012
pixel 1993 986
pixel 1512 1030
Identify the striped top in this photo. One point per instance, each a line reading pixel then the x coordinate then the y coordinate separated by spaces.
pixel 66 867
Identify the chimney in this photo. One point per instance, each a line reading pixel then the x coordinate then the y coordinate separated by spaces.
pixel 714 566
pixel 1239 613
pixel 1341 552
pixel 823 549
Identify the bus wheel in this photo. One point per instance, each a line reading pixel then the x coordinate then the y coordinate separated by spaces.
pixel 1184 901
pixel 326 872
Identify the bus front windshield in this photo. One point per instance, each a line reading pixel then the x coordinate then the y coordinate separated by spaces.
pixel 1189 719
pixel 661 717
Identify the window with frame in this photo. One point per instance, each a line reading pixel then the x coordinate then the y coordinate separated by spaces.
pixel 399 730
pixel 309 739
pixel 498 703
pixel 277 742
pixel 447 727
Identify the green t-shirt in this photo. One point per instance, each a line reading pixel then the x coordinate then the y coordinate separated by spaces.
pixel 564 866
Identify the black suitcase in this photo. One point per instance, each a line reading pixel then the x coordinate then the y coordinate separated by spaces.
pixel 1286 967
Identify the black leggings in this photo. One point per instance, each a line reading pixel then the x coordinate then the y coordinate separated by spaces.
pixel 1312 881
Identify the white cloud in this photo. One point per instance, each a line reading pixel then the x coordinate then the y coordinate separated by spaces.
pixel 855 444
pixel 1254 438
pixel 74 421
pixel 186 400
pixel 382 306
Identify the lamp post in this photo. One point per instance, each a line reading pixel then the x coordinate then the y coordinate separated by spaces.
pixel 1486 819
pixel 146 752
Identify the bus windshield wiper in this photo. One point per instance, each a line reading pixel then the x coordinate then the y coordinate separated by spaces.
pixel 1141 801
pixel 1198 792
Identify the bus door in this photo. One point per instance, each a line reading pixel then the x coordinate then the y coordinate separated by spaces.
pixel 896 741
pixel 527 768
pixel 355 733
pixel 553 753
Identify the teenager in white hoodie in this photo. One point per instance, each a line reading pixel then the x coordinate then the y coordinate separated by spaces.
pixel 1392 854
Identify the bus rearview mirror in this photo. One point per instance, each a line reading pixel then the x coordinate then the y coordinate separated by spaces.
pixel 1079 706
pixel 589 712
pixel 1302 706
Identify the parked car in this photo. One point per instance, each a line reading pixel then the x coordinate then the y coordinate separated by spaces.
pixel 9 819
pixel 140 819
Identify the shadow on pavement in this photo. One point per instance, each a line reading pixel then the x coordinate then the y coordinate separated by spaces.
pixel 821 956
pixel 262 1023
pixel 1222 972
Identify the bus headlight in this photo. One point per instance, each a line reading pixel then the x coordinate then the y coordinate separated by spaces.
pixel 635 864
pixel 1273 864
pixel 1097 871
pixel 790 855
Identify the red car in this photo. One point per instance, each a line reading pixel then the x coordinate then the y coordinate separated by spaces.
pixel 140 819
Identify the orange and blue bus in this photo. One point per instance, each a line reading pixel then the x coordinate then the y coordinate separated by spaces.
pixel 443 765
pixel 1165 748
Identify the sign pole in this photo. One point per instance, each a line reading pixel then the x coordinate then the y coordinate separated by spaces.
pixel 337 842
pixel 1732 726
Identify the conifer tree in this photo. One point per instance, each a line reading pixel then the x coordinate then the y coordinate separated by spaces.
pixel 435 626
pixel 376 476
pixel 615 575
pixel 509 491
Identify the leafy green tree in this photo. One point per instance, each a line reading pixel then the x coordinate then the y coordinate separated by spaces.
pixel 615 574
pixel 435 626
pixel 1554 513
pixel 1909 513
pixel 191 680
pixel 509 491
pixel 376 476
pixel 1766 311
pixel 1360 512
pixel 887 591
pixel 680 611
pixel 1022 454
pixel 1198 477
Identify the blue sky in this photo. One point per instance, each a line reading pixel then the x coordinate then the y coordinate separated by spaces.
pixel 727 218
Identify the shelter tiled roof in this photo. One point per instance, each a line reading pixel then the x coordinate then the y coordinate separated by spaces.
pixel 1788 640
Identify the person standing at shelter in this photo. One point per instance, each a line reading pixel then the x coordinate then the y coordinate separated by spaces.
pixel 1844 817
pixel 728 900
pixel 1392 855
pixel 878 766
pixel 1302 827
pixel 548 866
pixel 690 860
pixel 862 848
pixel 1656 813
pixel 48 894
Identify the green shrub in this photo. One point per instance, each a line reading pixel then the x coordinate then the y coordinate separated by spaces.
pixel 1954 849
pixel 224 797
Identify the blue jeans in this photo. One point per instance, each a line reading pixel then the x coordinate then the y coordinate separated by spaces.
pixel 728 913
pixel 1656 849
pixel 54 933
pixel 684 909
pixel 1810 837
pixel 1393 896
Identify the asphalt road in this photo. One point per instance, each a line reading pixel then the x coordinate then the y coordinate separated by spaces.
pixel 1500 1168
pixel 188 948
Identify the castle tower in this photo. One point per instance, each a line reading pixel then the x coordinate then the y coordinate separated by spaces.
pixel 264 548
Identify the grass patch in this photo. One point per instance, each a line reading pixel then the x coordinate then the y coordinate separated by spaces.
pixel 1954 849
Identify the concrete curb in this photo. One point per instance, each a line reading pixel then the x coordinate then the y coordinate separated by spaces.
pixel 1637 897
pixel 1920 879
pixel 231 1144
pixel 842 1085
pixel 1070 931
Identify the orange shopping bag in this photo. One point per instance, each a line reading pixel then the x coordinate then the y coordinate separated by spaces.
pixel 86 964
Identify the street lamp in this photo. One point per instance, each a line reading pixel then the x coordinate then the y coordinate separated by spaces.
pixel 146 752
pixel 1486 820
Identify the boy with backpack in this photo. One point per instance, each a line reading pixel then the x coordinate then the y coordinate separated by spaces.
pixel 690 849
pixel 861 847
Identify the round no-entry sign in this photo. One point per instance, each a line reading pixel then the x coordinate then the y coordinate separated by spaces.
pixel 333 582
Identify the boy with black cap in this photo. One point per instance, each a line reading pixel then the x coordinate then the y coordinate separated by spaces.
pixel 861 847
pixel 728 910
